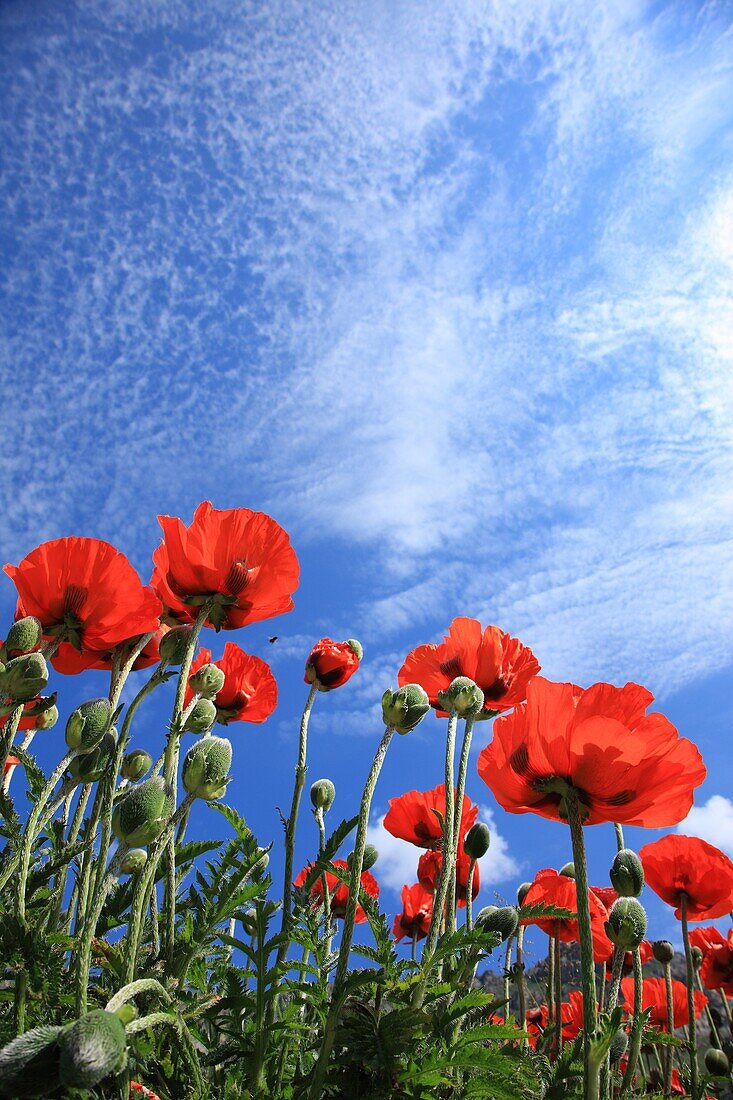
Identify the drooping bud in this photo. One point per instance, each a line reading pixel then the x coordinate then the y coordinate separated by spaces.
pixel 207 681
pixel 201 717
pixel 323 793
pixel 626 924
pixel 619 1046
pixel 142 812
pixel 371 855
pixel 127 1013
pixel 174 645
pixel 90 1049
pixel 717 1063
pixel 92 765
pixel 405 708
pixel 697 957
pixel 522 892
pixel 463 696
pixel 24 677
pixel 627 874
pixel 29 1065
pixel 331 664
pixel 206 767
pixel 249 922
pixel 504 920
pixel 88 724
pixel 133 861
pixel 663 951
pixel 47 718
pixel 568 870
pixel 477 840
pixel 136 764
pixel 24 636
pixel 357 648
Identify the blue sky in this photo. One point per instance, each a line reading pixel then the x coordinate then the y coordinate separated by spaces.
pixel 444 287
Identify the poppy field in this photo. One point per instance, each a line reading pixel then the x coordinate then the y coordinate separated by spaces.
pixel 138 963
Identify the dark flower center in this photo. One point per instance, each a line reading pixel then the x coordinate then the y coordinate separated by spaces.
pixel 451 667
pixel 497 690
pixel 75 597
pixel 237 577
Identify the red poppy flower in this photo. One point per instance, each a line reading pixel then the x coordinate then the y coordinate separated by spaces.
pixel 704 938
pixel 499 664
pixel 242 557
pixel 428 873
pixel 571 1014
pixel 627 766
pixel 645 954
pixel 70 661
pixel 250 690
pixel 143 1090
pixel 606 894
pixel 551 888
pixel 411 816
pixel 676 865
pixel 338 890
pixel 654 996
pixel 28 719
pixel 331 663
pixel 716 971
pixel 417 908
pixel 10 763
pixel 85 591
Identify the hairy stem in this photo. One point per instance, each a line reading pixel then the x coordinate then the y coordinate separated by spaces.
pixel 692 1043
pixel 587 970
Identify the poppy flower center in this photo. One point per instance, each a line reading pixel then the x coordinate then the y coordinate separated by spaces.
pixel 451 667
pixel 422 831
pixel 497 690
pixel 75 597
pixel 237 577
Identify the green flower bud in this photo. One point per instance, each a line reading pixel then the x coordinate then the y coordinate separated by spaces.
pixel 133 861
pixel 264 859
pixel 29 1065
pixel 523 891
pixel 141 814
pixel 249 922
pixel 463 696
pixel 92 765
pixel 568 870
pixel 47 718
pixel 24 677
pixel 626 924
pixel 174 645
pixel 127 1013
pixel 405 708
pixel 207 681
pixel 477 840
pixel 201 717
pixel 136 764
pixel 696 955
pixel 88 724
pixel 619 1046
pixel 716 1063
pixel 206 767
pixel 24 636
pixel 627 874
pixel 504 920
pixel 323 793
pixel 663 951
pixel 356 647
pixel 371 855
pixel 92 1048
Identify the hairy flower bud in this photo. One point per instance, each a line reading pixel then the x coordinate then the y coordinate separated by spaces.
pixel 201 717
pixel 371 855
pixel 717 1063
pixel 463 696
pixel 142 812
pixel 249 922
pixel 136 764
pixel 47 718
pixel 92 765
pixel 174 645
pixel 24 677
pixel 477 840
pixel 626 924
pixel 87 725
pixel 568 870
pixel 133 861
pixel 697 957
pixel 206 767
pixel 207 681
pixel 405 708
pixel 619 1046
pixel 90 1049
pixel 29 1065
pixel 627 874
pixel 323 793
pixel 24 636
pixel 522 892
pixel 663 951
pixel 504 920
pixel 356 647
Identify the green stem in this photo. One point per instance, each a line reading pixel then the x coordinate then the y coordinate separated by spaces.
pixel 558 998
pixel 617 966
pixel 469 895
pixel 637 1028
pixel 328 934
pixel 520 981
pixel 8 736
pixel 357 861
pixel 619 836
pixel 441 890
pixel 669 1055
pixel 34 825
pixel 714 1034
pixel 21 990
pixel 82 954
pixel 72 834
pixel 587 970
pixel 551 981
pixel 132 989
pixel 457 814
pixel 88 873
pixel 694 1072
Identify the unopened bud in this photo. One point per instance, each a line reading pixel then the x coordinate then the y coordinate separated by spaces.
pixel 207 681
pixel 463 696
pixel 663 951
pixel 47 718
pixel 249 922
pixel 127 1013
pixel 323 793
pixel 627 874
pixel 697 957
pixel 141 814
pixel 504 920
pixel 626 924
pixel 716 1063
pixel 24 636
pixel 619 1046
pixel 477 840
pixel 87 725
pixel 568 870
pixel 405 708
pixel 522 892
pixel 92 1048
pixel 206 767
pixel 371 855
pixel 93 765
pixel 356 647
pixel 201 717
pixel 136 764
pixel 24 677
pixel 134 861
pixel 174 645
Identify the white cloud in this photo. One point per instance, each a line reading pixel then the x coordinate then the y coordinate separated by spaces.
pixel 713 821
